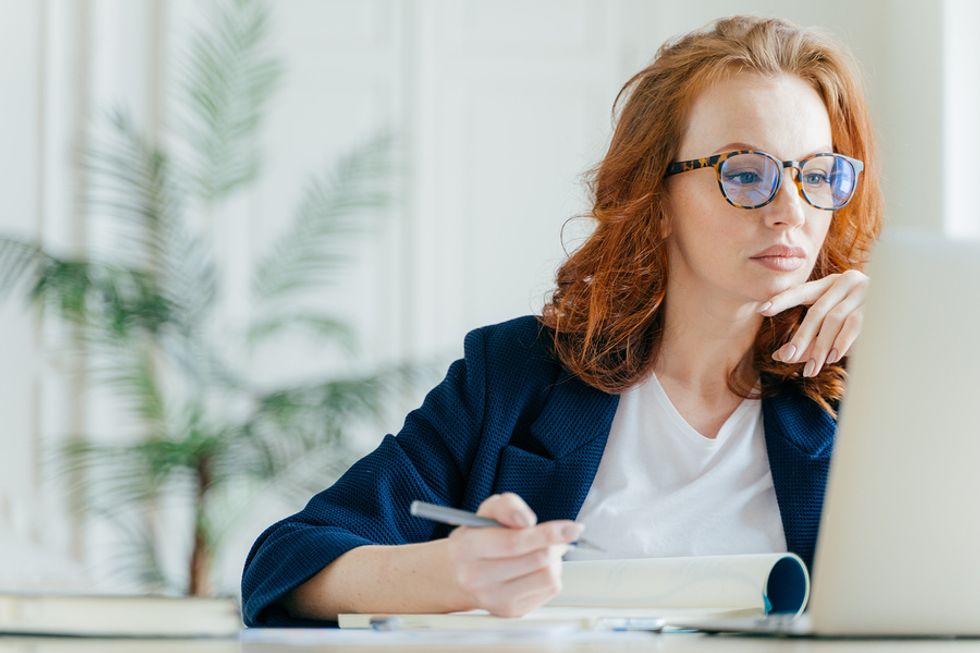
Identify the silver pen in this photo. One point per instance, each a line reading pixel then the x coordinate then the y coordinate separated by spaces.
pixel 457 517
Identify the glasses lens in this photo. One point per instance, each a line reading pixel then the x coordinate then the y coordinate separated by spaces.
pixel 829 181
pixel 749 180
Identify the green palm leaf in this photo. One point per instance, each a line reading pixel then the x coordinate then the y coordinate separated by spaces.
pixel 289 426
pixel 19 262
pixel 135 191
pixel 118 300
pixel 332 210
pixel 228 80
pixel 324 326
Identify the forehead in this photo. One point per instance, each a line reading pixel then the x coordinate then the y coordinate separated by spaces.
pixel 782 115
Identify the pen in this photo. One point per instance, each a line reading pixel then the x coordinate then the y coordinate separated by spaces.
pixel 456 517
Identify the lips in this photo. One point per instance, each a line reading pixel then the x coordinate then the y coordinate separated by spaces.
pixel 783 251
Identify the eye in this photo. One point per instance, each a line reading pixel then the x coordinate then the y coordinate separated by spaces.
pixel 816 178
pixel 746 178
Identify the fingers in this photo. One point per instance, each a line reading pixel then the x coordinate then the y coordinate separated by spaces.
pixel 845 339
pixel 830 331
pixel 495 571
pixel 804 294
pixel 509 509
pixel 516 596
pixel 530 591
pixel 793 350
pixel 513 569
pixel 510 543
pixel 831 325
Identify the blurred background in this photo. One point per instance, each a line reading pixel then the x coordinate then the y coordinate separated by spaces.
pixel 241 240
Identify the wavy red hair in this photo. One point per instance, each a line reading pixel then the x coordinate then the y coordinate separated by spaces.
pixel 605 310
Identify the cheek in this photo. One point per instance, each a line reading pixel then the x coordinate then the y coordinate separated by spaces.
pixel 706 227
pixel 702 217
pixel 818 228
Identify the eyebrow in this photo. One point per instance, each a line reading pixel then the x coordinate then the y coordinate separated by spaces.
pixel 739 145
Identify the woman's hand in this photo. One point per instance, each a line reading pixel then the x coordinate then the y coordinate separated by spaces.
pixel 510 571
pixel 832 322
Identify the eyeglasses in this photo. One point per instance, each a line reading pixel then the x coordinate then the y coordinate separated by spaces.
pixel 750 179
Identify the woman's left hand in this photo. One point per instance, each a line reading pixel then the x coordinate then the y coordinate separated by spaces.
pixel 832 322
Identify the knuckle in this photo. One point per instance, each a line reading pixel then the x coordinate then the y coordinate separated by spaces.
pixel 488 504
pixel 513 542
pixel 511 501
pixel 852 320
pixel 537 537
pixel 838 314
pixel 541 558
pixel 555 533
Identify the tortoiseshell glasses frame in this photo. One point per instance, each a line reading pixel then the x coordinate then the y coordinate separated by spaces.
pixel 768 188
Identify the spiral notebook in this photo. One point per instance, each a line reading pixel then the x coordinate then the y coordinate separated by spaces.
pixel 637 593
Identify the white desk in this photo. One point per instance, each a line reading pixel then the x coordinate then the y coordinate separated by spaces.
pixel 669 643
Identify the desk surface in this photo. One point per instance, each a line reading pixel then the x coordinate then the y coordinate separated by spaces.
pixel 633 642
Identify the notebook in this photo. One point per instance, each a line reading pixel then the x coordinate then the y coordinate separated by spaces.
pixel 118 616
pixel 647 593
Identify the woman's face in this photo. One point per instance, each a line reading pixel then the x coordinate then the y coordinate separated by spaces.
pixel 712 243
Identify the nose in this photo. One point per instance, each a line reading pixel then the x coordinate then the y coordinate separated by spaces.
pixel 788 208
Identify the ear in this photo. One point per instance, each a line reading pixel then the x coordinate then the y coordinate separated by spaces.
pixel 662 214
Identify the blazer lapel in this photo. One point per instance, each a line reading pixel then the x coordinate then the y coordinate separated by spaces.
pixel 799 441
pixel 572 428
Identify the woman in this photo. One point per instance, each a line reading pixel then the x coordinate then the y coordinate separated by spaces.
pixel 678 394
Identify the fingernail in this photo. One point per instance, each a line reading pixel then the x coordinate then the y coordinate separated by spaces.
pixel 789 353
pixel 572 531
pixel 811 366
pixel 521 518
pixel 832 356
pixel 765 307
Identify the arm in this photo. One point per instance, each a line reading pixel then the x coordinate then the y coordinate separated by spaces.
pixel 508 571
pixel 402 578
pixel 437 456
pixel 368 505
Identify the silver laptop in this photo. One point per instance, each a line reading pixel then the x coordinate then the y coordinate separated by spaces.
pixel 898 553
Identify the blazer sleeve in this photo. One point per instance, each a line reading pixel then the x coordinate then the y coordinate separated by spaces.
pixel 369 504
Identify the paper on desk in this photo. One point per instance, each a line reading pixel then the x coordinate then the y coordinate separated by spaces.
pixel 599 594
pixel 429 636
pixel 728 582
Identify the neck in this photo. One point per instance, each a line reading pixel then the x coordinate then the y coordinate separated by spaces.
pixel 704 339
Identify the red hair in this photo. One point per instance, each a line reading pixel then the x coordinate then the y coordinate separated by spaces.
pixel 606 310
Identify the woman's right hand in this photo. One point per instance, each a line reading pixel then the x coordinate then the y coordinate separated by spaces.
pixel 510 571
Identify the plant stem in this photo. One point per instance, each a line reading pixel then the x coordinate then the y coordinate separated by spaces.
pixel 201 555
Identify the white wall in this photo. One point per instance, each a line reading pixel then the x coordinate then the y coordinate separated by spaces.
pixel 500 105
pixel 961 117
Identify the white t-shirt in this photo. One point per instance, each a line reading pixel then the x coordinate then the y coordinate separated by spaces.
pixel 663 489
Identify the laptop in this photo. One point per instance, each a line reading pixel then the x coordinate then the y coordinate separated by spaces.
pixel 898 551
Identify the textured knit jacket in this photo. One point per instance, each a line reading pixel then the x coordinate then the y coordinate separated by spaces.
pixel 507 417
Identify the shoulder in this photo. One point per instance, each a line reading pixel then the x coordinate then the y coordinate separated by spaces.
pixel 515 359
pixel 516 346
pixel 520 335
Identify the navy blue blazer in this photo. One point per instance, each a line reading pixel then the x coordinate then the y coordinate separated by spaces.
pixel 507 417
